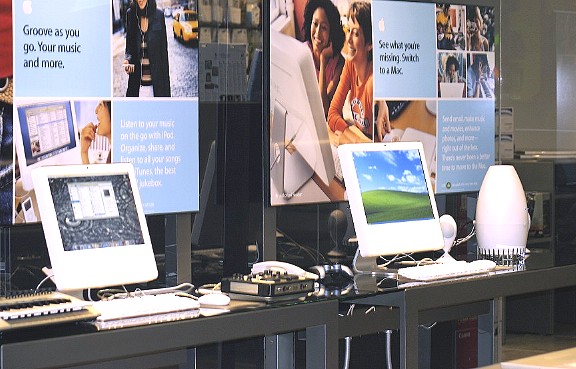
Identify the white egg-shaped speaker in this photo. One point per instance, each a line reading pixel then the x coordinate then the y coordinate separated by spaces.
pixel 502 219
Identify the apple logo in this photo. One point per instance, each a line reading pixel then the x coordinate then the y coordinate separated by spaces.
pixel 27 6
pixel 381 25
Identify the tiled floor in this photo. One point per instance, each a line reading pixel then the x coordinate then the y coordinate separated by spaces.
pixel 517 346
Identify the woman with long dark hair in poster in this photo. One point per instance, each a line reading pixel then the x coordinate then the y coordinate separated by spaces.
pixel 146 60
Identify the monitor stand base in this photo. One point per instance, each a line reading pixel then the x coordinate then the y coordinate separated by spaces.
pixel 297 172
pixel 369 265
pixel 79 294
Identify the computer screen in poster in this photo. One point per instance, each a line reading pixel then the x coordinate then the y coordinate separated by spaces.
pixel 45 135
pixel 301 156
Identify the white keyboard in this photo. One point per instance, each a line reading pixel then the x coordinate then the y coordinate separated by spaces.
pixel 431 272
pixel 144 305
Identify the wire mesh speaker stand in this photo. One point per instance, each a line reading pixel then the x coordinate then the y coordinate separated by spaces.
pixel 508 257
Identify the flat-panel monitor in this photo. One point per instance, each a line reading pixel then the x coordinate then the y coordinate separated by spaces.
pixel 391 198
pixel 94 224
pixel 45 134
pixel 300 150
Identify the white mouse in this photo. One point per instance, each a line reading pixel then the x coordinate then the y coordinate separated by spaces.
pixel 214 299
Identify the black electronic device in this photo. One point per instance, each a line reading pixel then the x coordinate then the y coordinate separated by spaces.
pixel 332 271
pixel 267 286
pixel 331 290
pixel 337 226
pixel 395 108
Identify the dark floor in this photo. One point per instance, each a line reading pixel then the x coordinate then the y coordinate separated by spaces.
pixel 520 345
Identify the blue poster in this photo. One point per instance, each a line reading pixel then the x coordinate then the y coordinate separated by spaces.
pixel 70 104
pixel 465 144
pixel 404 50
pixel 62 48
pixel 160 138
pixel 434 68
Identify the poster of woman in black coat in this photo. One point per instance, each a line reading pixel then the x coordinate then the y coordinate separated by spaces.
pixel 146 59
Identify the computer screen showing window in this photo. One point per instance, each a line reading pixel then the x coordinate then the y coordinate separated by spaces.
pixel 95 227
pixel 391 198
pixel 96 200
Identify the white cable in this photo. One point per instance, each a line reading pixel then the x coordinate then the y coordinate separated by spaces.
pixel 89 293
pixel 466 238
pixel 429 327
pixel 44 280
pixel 348 340
pixel 206 289
pixel 348 344
pixel 389 348
pixel 395 258
pixel 182 288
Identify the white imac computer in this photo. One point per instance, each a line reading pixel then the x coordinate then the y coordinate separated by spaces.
pixel 299 142
pixel 45 133
pixel 94 225
pixel 391 200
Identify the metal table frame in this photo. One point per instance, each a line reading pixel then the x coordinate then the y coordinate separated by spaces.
pixel 134 347
pixel 405 310
pixel 475 296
